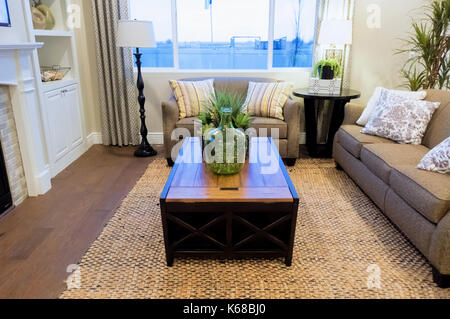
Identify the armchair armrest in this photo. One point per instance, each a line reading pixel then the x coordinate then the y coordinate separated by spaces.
pixel 353 112
pixel 170 114
pixel 291 114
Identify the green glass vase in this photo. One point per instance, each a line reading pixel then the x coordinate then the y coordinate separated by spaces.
pixel 225 147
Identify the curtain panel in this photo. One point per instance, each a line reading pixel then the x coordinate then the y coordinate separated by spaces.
pixel 118 93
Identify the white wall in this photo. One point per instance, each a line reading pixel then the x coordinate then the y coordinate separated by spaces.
pixel 87 58
pixel 373 62
pixel 17 32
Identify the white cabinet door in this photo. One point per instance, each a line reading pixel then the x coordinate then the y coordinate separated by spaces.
pixel 57 122
pixel 75 128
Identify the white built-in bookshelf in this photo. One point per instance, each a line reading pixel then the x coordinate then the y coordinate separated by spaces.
pixel 61 101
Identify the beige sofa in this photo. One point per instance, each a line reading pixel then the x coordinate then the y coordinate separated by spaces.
pixel 416 201
pixel 289 129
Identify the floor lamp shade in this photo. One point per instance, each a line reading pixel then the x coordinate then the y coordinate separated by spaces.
pixel 136 34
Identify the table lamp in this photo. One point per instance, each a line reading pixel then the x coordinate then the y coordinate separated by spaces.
pixel 138 34
pixel 334 33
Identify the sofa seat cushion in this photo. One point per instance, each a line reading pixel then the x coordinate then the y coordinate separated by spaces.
pixel 189 123
pixel 426 192
pixel 269 124
pixel 380 159
pixel 257 123
pixel 352 140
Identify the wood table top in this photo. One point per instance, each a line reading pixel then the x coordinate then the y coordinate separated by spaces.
pixel 263 179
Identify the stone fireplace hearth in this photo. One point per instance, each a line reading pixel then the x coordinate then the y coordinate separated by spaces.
pixel 11 148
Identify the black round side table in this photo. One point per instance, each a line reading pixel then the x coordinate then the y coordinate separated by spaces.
pixel 339 102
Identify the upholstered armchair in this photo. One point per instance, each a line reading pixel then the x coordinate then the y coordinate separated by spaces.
pixel 289 129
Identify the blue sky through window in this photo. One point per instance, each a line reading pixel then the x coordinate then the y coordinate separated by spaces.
pixel 230 34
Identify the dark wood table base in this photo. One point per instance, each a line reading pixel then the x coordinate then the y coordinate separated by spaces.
pixel 225 230
pixel 337 118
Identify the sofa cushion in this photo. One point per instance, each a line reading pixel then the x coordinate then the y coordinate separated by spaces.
pixel 400 119
pixel 352 140
pixel 427 192
pixel 269 124
pixel 238 85
pixel 257 122
pixel 267 99
pixel 438 159
pixel 188 123
pixel 439 127
pixel 191 96
pixel 381 158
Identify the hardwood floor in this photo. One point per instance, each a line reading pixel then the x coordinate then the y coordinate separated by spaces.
pixel 42 236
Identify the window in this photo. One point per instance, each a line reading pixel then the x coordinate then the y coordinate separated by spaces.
pixel 223 34
pixel 229 34
pixel 294 33
pixel 160 12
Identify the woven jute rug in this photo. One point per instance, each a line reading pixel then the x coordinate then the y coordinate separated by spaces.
pixel 344 248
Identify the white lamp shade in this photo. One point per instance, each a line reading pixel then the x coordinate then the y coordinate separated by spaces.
pixel 339 32
pixel 136 34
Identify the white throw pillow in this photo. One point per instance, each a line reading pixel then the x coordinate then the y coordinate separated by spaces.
pixel 400 119
pixel 372 104
pixel 438 159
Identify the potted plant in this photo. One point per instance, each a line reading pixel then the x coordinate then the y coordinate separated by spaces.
pixel 327 69
pixel 222 117
pixel 212 112
pixel 428 47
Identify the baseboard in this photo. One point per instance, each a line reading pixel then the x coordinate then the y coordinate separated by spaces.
pixel 302 138
pixel 42 183
pixel 155 138
pixel 94 138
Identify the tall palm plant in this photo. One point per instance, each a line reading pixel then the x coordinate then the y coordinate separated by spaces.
pixel 428 47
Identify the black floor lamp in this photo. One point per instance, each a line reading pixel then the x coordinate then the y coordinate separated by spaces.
pixel 138 34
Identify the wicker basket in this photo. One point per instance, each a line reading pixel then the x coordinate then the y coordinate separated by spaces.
pixel 53 73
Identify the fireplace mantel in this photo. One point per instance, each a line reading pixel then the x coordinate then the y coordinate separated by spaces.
pixel 19 74
pixel 21 46
pixel 8 52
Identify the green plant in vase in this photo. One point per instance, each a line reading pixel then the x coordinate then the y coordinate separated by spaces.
pixel 224 139
pixel 211 114
pixel 327 69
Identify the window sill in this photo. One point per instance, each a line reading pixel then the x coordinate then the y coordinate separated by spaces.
pixel 225 71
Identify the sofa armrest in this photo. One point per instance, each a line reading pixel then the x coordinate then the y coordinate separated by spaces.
pixel 292 118
pixel 170 114
pixel 353 112
pixel 440 246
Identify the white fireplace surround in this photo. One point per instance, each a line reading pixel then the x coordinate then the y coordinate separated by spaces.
pixel 17 72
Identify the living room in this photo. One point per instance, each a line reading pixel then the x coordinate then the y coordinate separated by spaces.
pixel 225 150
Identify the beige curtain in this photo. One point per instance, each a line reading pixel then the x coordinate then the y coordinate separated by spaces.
pixel 118 93
pixel 332 9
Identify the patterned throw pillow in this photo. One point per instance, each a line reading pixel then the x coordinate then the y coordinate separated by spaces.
pixel 400 119
pixel 438 159
pixel 192 96
pixel 267 99
pixel 373 102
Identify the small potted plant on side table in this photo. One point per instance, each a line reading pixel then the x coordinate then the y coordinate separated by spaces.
pixel 326 77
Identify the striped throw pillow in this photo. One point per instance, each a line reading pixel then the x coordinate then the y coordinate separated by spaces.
pixel 192 96
pixel 267 99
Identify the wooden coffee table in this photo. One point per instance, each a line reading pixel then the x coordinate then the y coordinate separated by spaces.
pixel 252 214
